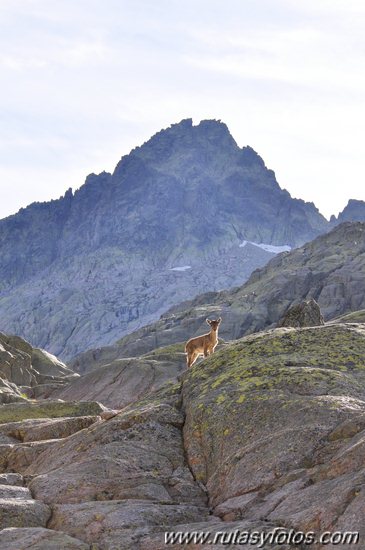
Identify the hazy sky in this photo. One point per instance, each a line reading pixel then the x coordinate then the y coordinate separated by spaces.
pixel 84 81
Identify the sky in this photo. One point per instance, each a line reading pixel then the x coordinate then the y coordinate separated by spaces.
pixel 85 81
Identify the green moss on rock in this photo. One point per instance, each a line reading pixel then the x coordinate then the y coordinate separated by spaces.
pixel 280 390
pixel 48 409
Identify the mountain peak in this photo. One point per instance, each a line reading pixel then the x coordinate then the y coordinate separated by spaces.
pixel 354 210
pixel 184 134
pixel 167 224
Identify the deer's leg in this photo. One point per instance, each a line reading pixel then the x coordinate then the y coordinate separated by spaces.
pixel 207 350
pixel 192 358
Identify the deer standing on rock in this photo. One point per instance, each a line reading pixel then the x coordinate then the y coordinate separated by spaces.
pixel 204 344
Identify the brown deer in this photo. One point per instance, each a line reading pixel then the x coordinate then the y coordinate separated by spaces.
pixel 204 344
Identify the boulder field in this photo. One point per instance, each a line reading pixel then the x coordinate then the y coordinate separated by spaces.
pixel 267 432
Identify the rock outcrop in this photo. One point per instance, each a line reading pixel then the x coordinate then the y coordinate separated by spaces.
pixel 28 372
pixel 282 414
pixel 81 271
pixel 266 433
pixel 48 409
pixel 123 381
pixel 305 314
pixel 39 538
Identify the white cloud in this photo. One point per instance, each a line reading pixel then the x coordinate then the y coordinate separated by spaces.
pixel 84 81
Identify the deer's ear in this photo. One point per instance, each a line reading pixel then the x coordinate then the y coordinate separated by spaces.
pixel 219 319
pixel 208 321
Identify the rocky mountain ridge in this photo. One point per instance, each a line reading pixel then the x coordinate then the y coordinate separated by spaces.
pixel 353 211
pixel 166 225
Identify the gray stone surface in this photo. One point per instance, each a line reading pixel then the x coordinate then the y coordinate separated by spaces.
pixel 305 314
pixel 126 380
pixel 17 512
pixel 48 409
pixel 11 478
pixel 275 426
pixel 8 491
pixel 27 372
pixel 38 538
pixel 10 393
pixel 267 432
pixel 40 429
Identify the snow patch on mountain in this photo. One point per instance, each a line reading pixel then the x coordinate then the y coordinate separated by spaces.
pixel 268 247
pixel 182 268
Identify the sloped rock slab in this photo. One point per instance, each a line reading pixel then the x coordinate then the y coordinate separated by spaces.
pixel 7 440
pixel 44 391
pixel 15 363
pixel 23 513
pixel 119 524
pixel 48 428
pixel 16 430
pixel 19 457
pixel 38 538
pixel 126 380
pixel 275 427
pixel 305 509
pixel 11 479
pixel 9 392
pixel 10 491
pixel 136 454
pixel 48 409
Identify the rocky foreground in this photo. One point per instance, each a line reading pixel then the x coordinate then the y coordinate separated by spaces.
pixel 267 432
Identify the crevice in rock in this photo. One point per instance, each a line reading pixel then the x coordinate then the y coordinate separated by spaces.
pixel 201 485
pixel 50 517
pixel 67 339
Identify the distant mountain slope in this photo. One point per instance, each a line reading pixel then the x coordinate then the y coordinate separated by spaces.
pixel 83 270
pixel 330 269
